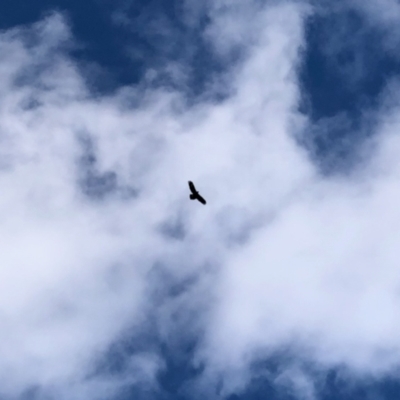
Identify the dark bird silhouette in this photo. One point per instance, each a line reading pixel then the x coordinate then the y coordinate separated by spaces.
pixel 195 194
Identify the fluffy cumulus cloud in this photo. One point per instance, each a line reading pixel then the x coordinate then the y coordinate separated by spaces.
pixel 99 239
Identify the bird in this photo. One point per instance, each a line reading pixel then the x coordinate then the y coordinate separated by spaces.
pixel 195 194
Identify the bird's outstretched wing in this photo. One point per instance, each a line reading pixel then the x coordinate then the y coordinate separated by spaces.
pixel 191 187
pixel 201 199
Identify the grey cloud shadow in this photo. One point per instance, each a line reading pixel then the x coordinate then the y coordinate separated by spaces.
pixel 96 185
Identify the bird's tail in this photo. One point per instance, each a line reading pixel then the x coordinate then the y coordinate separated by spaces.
pixel 192 197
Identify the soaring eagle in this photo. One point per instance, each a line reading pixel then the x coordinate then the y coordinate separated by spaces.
pixel 195 194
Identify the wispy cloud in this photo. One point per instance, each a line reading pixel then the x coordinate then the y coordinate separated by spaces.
pixel 99 239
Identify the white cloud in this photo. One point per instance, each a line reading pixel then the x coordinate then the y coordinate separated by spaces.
pixel 279 256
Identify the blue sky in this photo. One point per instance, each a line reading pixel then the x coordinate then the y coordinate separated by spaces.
pixel 116 286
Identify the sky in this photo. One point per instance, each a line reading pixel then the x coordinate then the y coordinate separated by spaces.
pixel 114 285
